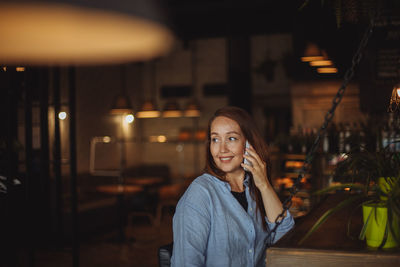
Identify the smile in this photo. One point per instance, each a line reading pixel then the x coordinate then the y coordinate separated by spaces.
pixel 226 159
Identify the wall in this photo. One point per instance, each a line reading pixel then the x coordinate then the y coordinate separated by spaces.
pixel 97 86
pixel 305 102
pixel 312 100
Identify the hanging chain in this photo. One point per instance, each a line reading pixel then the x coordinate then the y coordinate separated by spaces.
pixel 328 117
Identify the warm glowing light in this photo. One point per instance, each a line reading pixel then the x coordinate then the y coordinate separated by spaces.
pixel 161 138
pixel 148 114
pixel 192 113
pixel 327 70
pixel 20 69
pixel 394 104
pixel 58 32
pixel 106 139
pixel 157 138
pixel 293 164
pixel 318 63
pixel 62 115
pixel 4 68
pixel 312 58
pixel 347 188
pixel 129 118
pixel 172 114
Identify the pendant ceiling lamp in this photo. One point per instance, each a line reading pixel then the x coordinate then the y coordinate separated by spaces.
pixel 192 109
pixel 121 105
pixel 172 110
pixel 81 32
pixel 312 52
pixel 148 108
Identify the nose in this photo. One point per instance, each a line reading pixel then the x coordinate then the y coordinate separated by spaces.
pixel 224 147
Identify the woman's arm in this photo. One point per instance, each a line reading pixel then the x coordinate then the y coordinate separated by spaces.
pixel 272 204
pixel 191 229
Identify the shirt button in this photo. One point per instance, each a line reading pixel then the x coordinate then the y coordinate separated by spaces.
pixel 251 209
pixel 250 250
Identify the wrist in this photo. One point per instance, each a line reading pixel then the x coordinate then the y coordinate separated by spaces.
pixel 265 187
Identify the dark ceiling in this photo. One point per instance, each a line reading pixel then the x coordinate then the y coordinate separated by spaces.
pixel 209 18
pixel 192 19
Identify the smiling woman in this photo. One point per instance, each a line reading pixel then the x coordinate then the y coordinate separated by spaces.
pixel 227 147
pixel 224 217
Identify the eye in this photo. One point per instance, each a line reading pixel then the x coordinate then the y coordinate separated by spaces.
pixel 214 140
pixel 232 138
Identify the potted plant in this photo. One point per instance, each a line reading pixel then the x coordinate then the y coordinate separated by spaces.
pixel 374 179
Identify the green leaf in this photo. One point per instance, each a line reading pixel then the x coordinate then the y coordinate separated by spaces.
pixel 364 228
pixel 337 187
pixel 385 236
pixel 306 2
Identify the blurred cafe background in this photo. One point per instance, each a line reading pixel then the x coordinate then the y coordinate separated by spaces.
pixel 96 147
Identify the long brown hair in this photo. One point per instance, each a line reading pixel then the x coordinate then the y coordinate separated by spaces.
pixel 251 133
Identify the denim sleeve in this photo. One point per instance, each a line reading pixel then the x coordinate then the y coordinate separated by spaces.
pixel 283 228
pixel 191 229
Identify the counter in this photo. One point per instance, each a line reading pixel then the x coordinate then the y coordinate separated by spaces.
pixel 329 245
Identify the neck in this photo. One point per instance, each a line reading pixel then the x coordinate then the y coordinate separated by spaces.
pixel 236 181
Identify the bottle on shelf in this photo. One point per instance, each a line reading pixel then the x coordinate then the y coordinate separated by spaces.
pixel 333 138
pixel 361 133
pixel 347 138
pixel 341 141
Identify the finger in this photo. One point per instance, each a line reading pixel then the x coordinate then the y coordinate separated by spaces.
pixel 248 168
pixel 254 154
pixel 251 159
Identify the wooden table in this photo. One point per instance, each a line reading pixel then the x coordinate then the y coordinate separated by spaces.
pixel 144 181
pixel 120 191
pixel 329 245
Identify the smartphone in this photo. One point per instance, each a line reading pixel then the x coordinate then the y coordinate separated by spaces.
pixel 245 161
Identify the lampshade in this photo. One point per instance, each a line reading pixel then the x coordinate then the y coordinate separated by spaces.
pixel 327 70
pixel 148 110
pixel 121 105
pixel 192 109
pixel 172 110
pixel 81 31
pixel 312 52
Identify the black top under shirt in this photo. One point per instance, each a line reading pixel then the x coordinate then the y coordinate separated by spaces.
pixel 241 197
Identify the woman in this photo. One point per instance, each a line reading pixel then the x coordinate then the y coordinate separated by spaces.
pixel 225 215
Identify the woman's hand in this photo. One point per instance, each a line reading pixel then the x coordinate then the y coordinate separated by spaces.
pixel 258 170
pixel 272 204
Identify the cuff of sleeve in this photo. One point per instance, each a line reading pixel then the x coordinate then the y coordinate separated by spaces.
pixel 287 222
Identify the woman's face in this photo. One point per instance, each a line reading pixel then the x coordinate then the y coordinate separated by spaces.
pixel 227 145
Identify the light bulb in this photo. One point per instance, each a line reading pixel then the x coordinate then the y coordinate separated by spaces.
pixel 129 118
pixel 62 115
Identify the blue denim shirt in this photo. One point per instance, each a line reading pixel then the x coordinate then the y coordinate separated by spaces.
pixel 212 229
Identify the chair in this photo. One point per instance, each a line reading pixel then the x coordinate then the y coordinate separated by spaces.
pixel 164 255
pixel 168 196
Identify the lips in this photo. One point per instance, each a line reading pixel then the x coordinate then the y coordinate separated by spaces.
pixel 225 159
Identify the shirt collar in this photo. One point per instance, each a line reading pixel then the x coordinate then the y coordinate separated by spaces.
pixel 227 185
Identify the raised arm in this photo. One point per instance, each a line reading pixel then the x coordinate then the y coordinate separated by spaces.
pixel 272 204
